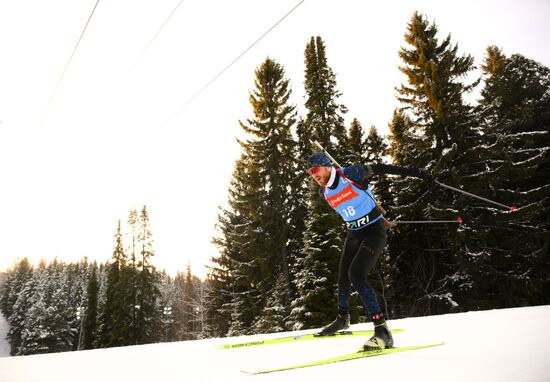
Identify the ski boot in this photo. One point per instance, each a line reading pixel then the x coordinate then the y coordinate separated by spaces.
pixel 382 337
pixel 340 323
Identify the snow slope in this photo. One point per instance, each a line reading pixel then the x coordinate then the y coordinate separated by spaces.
pixel 4 345
pixel 497 345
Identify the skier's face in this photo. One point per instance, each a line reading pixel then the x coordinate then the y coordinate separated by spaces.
pixel 321 174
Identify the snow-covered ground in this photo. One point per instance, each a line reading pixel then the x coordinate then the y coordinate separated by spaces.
pixel 4 345
pixel 497 345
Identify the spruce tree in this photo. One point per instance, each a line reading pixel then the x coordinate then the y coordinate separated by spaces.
pixel 60 315
pixel 148 323
pixel 437 123
pixel 77 275
pixel 33 326
pixel 112 318
pixel 255 232
pixel 434 92
pixel 131 274
pixel 316 270
pixel 89 325
pixel 201 308
pixel 273 316
pixel 190 306
pixel 272 143
pixel 513 161
pixel 179 308
pixel 188 299
pixel 47 325
pixel 356 147
pixel 166 304
pixel 227 274
pixel 22 305
pixel 14 283
pixel 375 151
pixel 325 116
pixel 193 301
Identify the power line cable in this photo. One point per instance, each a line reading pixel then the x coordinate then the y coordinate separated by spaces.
pixel 160 29
pixel 72 55
pixel 230 64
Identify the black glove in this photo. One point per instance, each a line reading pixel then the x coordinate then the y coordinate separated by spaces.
pixel 426 176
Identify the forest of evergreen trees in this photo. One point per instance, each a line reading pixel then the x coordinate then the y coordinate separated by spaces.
pixel 280 243
pixel 60 306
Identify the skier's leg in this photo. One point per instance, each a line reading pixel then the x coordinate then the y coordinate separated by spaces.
pixel 372 245
pixel 351 246
pixel 342 321
pixel 365 259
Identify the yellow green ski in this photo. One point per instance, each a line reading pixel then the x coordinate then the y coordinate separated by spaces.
pixel 348 357
pixel 304 337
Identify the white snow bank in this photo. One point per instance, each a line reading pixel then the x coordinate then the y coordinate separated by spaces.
pixel 498 345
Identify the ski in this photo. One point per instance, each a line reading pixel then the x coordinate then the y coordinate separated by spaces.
pixel 347 357
pixel 304 337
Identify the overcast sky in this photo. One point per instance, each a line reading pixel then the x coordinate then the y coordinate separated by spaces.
pixel 110 139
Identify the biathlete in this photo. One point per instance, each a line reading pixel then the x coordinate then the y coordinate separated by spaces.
pixel 347 191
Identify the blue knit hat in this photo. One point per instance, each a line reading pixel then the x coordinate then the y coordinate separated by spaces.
pixel 319 159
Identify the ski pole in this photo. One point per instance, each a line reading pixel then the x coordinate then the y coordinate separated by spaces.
pixel 511 208
pixel 315 140
pixel 459 221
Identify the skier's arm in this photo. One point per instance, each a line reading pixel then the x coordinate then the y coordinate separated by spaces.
pixel 383 169
pixel 361 173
